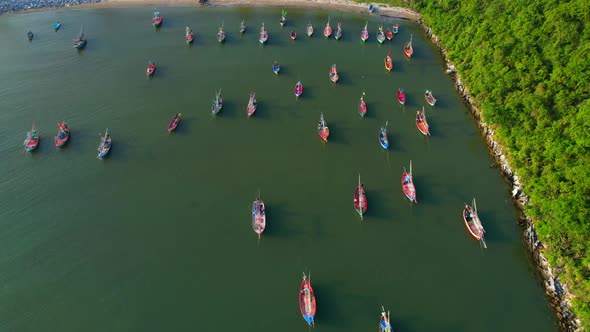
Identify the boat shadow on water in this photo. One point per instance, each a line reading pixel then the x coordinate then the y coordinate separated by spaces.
pixel 380 207
pixel 328 296
pixel 281 221
pixel 184 127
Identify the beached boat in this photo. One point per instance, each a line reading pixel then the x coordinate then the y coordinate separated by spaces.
pixel 30 35
pixel 429 98
pixel 80 40
pixel 365 33
pixel 217 103
pixel 293 35
pixel 388 62
pixel 105 145
pixel 323 129
pixel 338 33
pixel 360 199
pixel 283 19
pixel 57 26
pixel 362 106
pixel 389 34
pixel 189 36
pixel 263 36
pixel 395 29
pixel 421 122
pixel 32 140
pixel 380 35
pixel 258 216
pixel 157 19
pixel 309 29
pixel 251 104
pixel 298 89
pixel 385 323
pixel 276 68
pixel 242 27
pixel 473 223
pixel 371 9
pixel 307 302
pixel 174 122
pixel 328 29
pixel 151 68
pixel 63 134
pixel 401 96
pixel 383 140
pixel 333 74
pixel 408 184
pixel 221 34
pixel 408 49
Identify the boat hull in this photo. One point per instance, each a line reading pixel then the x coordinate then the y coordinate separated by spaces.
pixel 383 140
pixel 408 186
pixel 360 197
pixel 471 218
pixel 388 62
pixel 61 140
pixel 307 301
pixel 401 96
pixel 258 217
pixel 174 122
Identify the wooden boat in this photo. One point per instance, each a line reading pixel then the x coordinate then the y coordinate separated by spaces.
pixel 217 103
pixel 389 34
pixel 395 29
pixel 309 29
pixel 338 33
pixel 333 74
pixel 362 105
pixel 32 140
pixel 283 19
pixel 429 98
pixel 380 35
pixel 189 36
pixel 408 49
pixel 30 35
pixel 151 68
pixel 157 19
pixel 242 27
pixel 323 129
pixel 63 134
pixel 473 223
pixel 328 29
pixel 80 40
pixel 298 89
pixel 174 122
pixel 276 68
pixel 365 33
pixel 388 62
pixel 383 140
pixel 251 104
pixel 57 25
pixel 105 145
pixel 421 122
pixel 360 199
pixel 385 323
pixel 263 37
pixel 371 9
pixel 293 35
pixel 258 216
pixel 307 302
pixel 221 34
pixel 408 185
pixel 401 96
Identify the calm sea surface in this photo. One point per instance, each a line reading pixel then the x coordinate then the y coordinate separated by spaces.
pixel 158 236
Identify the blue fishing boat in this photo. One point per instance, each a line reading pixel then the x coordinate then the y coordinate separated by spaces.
pixel 56 26
pixel 105 145
pixel 276 68
pixel 383 140
pixel 80 40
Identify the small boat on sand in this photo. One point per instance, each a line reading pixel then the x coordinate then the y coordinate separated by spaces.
pixel 263 37
pixel 31 142
pixel 57 25
pixel 157 20
pixel 365 33
pixel 105 145
pixel 283 19
pixel 388 62
pixel 338 33
pixel 401 96
pixel 473 223
pixel 258 216
pixel 217 103
pixel 276 68
pixel 429 98
pixel 323 129
pixel 333 74
pixel 360 199
pixel 307 302
pixel 380 35
pixel 408 49
pixel 252 104
pixel 384 323
pixel 383 140
pixel 242 27
pixel 298 89
pixel 421 122
pixel 293 35
pixel 362 105
pixel 63 134
pixel 189 36
pixel 174 122
pixel 30 35
pixel 328 29
pixel 221 34
pixel 408 185
pixel 309 29
pixel 151 68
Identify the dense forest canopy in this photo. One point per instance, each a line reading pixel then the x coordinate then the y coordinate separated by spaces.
pixel 527 64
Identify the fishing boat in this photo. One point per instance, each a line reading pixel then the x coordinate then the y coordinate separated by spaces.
pixel 217 103
pixel 328 29
pixel 371 9
pixel 157 20
pixel 323 129
pixel 388 62
pixel 221 34
pixel 389 34
pixel 401 96
pixel 80 40
pixel 395 29
pixel 298 89
pixel 429 98
pixel 408 185
pixel 57 25
pixel 365 33
pixel 309 29
pixel 360 199
pixel 293 35
pixel 105 145
pixel 251 104
pixel 151 68
pixel 333 74
pixel 421 122
pixel 63 134
pixel 174 122
pixel 242 27
pixel 276 68
pixel 385 323
pixel 307 303
pixel 263 37
pixel 258 216
pixel 383 140
pixel 189 36
pixel 380 35
pixel 283 19
pixel 473 223
pixel 362 105
pixel 30 35
pixel 338 33
pixel 32 140
pixel 408 49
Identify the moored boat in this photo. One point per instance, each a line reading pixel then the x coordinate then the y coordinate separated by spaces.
pixel 401 96
pixel 157 19
pixel 360 199
pixel 63 134
pixel 251 104
pixel 408 49
pixel 323 129
pixel 258 216
pixel 395 29
pixel 263 36
pixel 385 323
pixel 276 68
pixel 242 27
pixel 174 122
pixel 80 40
pixel 32 140
pixel 298 89
pixel 380 35
pixel 221 34
pixel 333 74
pixel 408 184
pixel 293 35
pixel 309 29
pixel 365 33
pixel 429 98
pixel 338 33
pixel 383 140
pixel 283 19
pixel 388 34
pixel 328 29
pixel 151 68
pixel 421 122
pixel 105 145
pixel 30 35
pixel 473 223
pixel 371 9
pixel 362 106
pixel 217 103
pixel 189 36
pixel 307 302
pixel 388 62
pixel 57 25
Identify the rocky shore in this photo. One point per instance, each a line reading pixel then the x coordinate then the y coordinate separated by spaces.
pixel 11 6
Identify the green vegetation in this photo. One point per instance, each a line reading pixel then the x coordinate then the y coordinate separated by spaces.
pixel 527 64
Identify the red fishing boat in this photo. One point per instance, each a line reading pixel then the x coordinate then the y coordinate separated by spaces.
pixel 362 105
pixel 365 33
pixel 323 129
pixel 258 216
pixel 333 74
pixel 189 36
pixel 32 141
pixel 157 19
pixel 307 303
pixel 401 96
pixel 298 89
pixel 408 49
pixel 421 122
pixel 328 29
pixel 473 223
pixel 62 135
pixel 360 199
pixel 252 104
pixel 408 185
pixel 388 62
pixel 151 68
pixel 388 34
pixel 293 35
pixel 174 122
pixel 429 98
